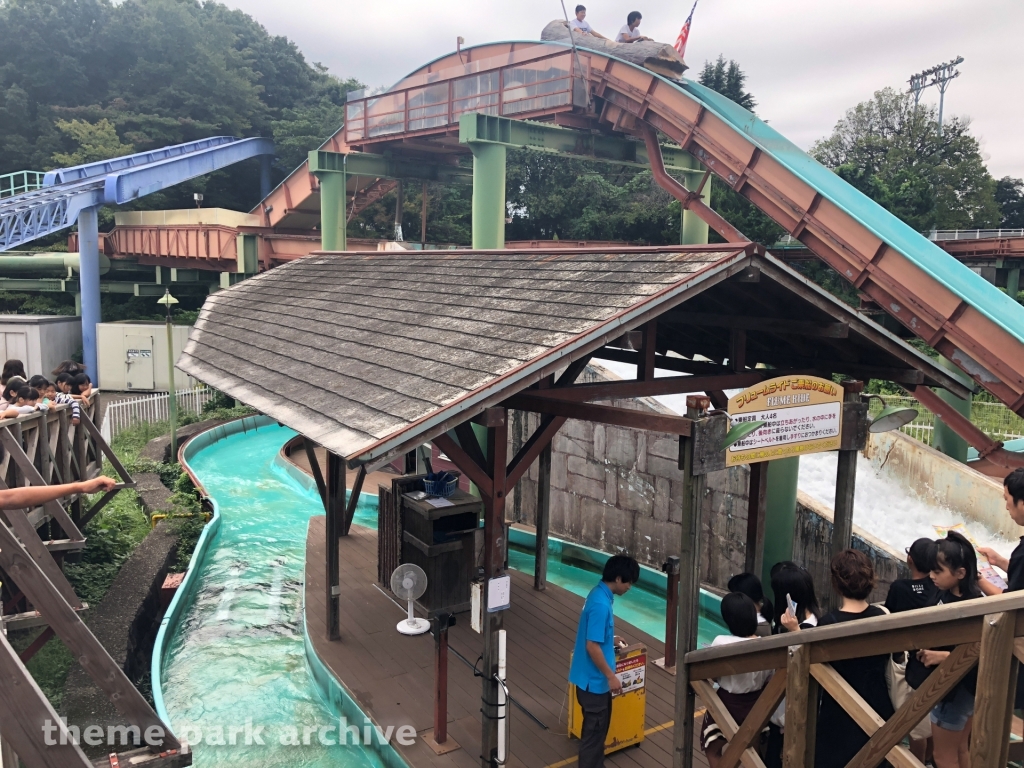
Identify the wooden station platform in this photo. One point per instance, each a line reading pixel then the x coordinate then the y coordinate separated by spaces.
pixel 391 676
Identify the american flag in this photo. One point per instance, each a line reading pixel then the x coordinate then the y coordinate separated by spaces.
pixel 684 33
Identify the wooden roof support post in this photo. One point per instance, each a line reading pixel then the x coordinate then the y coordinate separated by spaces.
pixel 494 566
pixel 689 586
pixel 335 485
pixel 801 709
pixel 846 478
pixel 540 549
pixel 757 503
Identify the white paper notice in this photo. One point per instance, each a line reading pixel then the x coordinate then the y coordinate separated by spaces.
pixel 439 502
pixel 499 593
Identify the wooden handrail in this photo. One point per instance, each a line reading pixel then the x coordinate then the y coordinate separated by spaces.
pixel 924 628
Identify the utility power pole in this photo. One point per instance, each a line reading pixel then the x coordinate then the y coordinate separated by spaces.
pixel 939 76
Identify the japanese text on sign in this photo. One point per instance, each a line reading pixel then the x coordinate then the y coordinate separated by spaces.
pixel 803 414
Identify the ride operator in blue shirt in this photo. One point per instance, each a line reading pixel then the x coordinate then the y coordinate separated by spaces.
pixel 593 659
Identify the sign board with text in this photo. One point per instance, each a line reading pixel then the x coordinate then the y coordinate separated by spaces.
pixel 803 415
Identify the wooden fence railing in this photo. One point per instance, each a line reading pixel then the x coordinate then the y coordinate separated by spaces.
pixel 48 448
pixel 987 633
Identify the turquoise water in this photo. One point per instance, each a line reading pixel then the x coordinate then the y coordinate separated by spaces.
pixel 237 655
pixel 236 658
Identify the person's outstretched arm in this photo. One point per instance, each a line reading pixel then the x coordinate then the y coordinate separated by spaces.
pixel 35 495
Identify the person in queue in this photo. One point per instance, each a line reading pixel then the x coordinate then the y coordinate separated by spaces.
pixel 749 585
pixel 839 736
pixel 593 660
pixel 954 570
pixel 919 591
pixel 581 26
pixel 631 32
pixel 1013 495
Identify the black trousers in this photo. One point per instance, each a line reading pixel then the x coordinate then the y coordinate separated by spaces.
pixel 597 716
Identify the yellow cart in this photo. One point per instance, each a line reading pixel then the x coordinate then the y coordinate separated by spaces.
pixel 628 709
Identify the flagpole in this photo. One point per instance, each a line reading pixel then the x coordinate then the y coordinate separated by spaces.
pixel 575 53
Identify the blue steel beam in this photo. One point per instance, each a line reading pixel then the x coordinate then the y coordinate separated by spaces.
pixel 103 167
pixel 127 185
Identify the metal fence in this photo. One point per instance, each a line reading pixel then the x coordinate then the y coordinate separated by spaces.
pixel 973 234
pixel 19 182
pixel 127 413
pixel 994 419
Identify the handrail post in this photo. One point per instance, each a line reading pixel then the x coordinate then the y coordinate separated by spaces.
pixel 671 568
pixel 801 709
pixel 996 690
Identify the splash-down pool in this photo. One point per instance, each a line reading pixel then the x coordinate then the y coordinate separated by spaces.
pixel 231 661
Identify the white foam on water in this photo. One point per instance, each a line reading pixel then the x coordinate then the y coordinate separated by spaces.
pixel 886 509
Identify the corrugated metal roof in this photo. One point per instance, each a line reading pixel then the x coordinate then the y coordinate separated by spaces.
pixel 364 351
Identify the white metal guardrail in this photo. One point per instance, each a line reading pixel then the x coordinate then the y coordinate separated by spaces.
pixel 153 408
pixel 994 419
pixel 973 234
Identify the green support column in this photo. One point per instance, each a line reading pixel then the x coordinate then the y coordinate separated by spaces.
pixel 488 195
pixel 1013 282
pixel 693 230
pixel 332 209
pixel 780 514
pixel 944 439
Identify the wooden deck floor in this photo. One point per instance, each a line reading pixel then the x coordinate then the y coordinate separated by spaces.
pixel 391 676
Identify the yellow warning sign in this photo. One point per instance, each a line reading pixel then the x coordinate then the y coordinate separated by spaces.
pixel 803 414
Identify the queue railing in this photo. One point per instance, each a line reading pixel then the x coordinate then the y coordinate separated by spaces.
pixel 987 633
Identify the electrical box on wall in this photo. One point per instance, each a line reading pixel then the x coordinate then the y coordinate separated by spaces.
pixel 132 356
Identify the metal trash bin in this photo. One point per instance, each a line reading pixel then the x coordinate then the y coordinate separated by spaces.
pixel 629 709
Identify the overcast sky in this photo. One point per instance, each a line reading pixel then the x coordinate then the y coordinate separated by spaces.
pixel 808 61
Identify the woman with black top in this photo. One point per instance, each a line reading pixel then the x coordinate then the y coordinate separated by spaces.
pixel 839 738
pixel 955 573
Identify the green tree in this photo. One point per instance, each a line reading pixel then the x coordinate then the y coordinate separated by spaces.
pixel 727 79
pixel 892 151
pixel 1010 198
pixel 93 141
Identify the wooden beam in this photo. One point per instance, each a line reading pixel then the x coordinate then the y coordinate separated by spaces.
pixel 663 362
pixel 602 414
pixel 830 330
pixel 737 349
pixel 24 710
pixel 801 709
pixel 997 686
pixel 335 485
pixel 353 499
pixel 860 712
pixel 81 642
pixel 471 445
pixel 54 508
pixel 645 370
pixel 34 546
pixel 539 441
pixel 41 639
pixel 96 508
pixel 466 465
pixel 667 385
pixel 106 450
pixel 540 542
pixel 30 619
pixel 757 504
pixel 489 417
pixel 724 720
pixel 314 468
pixel 756 720
pixel 917 706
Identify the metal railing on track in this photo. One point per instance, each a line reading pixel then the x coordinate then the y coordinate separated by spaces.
pixel 19 182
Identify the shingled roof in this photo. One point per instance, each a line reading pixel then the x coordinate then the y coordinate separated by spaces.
pixel 366 353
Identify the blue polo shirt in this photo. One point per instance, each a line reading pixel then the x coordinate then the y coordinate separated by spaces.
pixel 597 624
